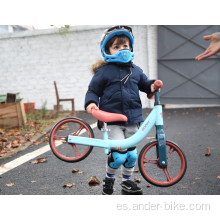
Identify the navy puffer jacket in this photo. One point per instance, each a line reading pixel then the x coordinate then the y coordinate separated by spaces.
pixel 118 91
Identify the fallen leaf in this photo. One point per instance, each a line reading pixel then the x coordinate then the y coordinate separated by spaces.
pixel 40 160
pixel 81 172
pixel 151 138
pixel 69 185
pixel 2 131
pixel 16 145
pixel 94 186
pixel 93 179
pixel 3 151
pixel 10 184
pixel 74 170
pixel 63 141
pixel 30 140
pixel 4 139
pixel 36 142
pixel 33 181
pixel 2 166
pixel 147 185
pixel 137 180
pixel 120 176
pixel 136 171
pixel 218 177
pixel 197 178
pixel 8 145
pixel 183 186
pixel 208 151
pixel 195 182
pixel 17 133
pixel 62 127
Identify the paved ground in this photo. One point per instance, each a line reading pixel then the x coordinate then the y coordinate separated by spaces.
pixel 192 129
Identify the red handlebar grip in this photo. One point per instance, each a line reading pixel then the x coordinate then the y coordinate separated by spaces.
pixel 158 84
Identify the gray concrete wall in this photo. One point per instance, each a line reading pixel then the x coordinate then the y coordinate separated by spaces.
pixel 31 60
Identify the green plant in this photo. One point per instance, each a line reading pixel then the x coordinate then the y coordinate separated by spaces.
pixel 44 109
pixel 62 30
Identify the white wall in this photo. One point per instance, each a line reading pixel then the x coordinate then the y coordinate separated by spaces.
pixel 31 60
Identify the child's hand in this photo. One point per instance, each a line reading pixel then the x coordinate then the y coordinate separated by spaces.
pixel 152 88
pixel 90 107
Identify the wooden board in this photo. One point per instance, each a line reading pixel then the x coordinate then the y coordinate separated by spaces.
pixel 11 115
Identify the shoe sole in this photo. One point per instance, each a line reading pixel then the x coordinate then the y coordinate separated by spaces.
pixel 108 194
pixel 127 190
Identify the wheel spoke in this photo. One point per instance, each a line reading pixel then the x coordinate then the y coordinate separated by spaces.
pixel 169 178
pixel 77 154
pixel 171 150
pixel 56 137
pixel 150 161
pixel 76 133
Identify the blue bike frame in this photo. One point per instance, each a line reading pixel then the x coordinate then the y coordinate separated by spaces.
pixel 154 118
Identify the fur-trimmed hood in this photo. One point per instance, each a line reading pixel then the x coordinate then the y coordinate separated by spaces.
pixel 96 65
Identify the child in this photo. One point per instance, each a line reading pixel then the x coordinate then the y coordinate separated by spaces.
pixel 117 82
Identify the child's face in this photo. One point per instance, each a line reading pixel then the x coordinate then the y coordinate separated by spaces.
pixel 116 47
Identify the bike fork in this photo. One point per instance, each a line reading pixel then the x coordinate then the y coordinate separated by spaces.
pixel 161 147
pixel 160 135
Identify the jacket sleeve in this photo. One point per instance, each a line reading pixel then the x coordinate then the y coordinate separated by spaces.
pixel 145 83
pixel 96 88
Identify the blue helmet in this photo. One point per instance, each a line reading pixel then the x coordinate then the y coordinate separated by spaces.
pixel 123 56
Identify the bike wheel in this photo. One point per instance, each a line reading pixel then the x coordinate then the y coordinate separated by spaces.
pixel 159 176
pixel 65 151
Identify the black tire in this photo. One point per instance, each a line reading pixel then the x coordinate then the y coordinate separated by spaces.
pixel 177 165
pixel 61 127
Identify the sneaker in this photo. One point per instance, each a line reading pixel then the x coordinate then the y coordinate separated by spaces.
pixel 108 186
pixel 130 187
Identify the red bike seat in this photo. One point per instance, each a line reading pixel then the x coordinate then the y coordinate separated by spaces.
pixel 107 116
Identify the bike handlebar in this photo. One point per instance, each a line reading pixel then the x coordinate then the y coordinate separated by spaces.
pixel 157 85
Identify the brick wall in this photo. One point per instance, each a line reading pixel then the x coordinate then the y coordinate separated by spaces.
pixel 31 60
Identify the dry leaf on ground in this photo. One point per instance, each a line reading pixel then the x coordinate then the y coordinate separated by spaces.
pixel 218 177
pixel 36 142
pixel 69 185
pixel 93 179
pixel 8 145
pixel 3 151
pixel 40 160
pixel 147 185
pixel 33 181
pixel 195 182
pixel 4 140
pixel 120 176
pixel 75 170
pixel 17 133
pixel 197 178
pixel 136 171
pixel 208 151
pixel 183 186
pixel 81 172
pixel 10 184
pixel 137 180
